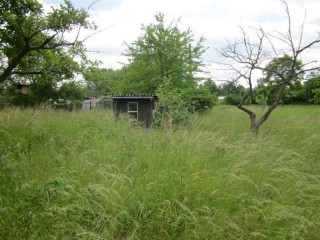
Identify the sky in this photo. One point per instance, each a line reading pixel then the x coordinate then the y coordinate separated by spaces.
pixel 215 20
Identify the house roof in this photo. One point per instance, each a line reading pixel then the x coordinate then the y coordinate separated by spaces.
pixel 132 97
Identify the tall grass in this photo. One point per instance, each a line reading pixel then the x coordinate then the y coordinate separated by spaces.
pixel 83 175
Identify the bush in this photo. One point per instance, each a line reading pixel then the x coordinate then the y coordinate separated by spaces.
pixel 233 99
pixel 200 99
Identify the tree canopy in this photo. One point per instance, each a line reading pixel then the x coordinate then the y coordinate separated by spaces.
pixel 269 84
pixel 34 42
pixel 163 51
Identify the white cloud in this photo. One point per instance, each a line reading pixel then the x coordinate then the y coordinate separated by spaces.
pixel 213 19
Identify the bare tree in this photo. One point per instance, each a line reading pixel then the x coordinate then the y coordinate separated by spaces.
pixel 245 56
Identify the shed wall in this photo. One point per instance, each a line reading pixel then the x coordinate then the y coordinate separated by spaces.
pixel 145 109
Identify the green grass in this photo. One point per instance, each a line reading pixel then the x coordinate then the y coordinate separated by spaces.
pixel 83 175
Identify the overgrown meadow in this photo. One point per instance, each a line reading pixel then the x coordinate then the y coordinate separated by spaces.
pixel 84 175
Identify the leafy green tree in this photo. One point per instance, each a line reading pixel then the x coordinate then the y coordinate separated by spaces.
pixel 200 99
pixel 33 43
pixel 293 93
pixel 102 81
pixel 39 91
pixel 163 52
pixel 71 91
pixel 262 100
pixel 164 60
pixel 233 92
pixel 172 108
pixel 312 88
pixel 139 77
pixel 316 96
pixel 176 104
pixel 212 86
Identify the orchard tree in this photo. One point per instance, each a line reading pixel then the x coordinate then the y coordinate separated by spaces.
pixel 34 43
pixel 245 57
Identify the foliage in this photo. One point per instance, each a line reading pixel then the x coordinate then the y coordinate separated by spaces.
pixel 200 99
pixel 34 45
pixel 172 108
pixel 43 90
pixel 233 99
pixel 312 88
pixel 102 81
pixel 139 77
pixel 83 175
pixel 269 85
pixel 71 91
pixel 231 88
pixel 213 88
pixel 245 57
pixel 163 52
pixel 233 93
pixel 262 100
pixel 175 105
pixel 38 92
pixel 316 97
pixel 164 61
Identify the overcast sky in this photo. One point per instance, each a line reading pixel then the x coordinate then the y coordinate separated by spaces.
pixel 215 20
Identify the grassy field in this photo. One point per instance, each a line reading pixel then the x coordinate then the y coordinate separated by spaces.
pixel 83 175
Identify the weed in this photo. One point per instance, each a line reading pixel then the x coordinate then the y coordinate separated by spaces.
pixel 85 175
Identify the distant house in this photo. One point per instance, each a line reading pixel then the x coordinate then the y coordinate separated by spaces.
pixel 137 107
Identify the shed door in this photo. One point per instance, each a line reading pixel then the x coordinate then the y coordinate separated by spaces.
pixel 133 110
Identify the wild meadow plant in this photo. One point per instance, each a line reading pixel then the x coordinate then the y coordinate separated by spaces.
pixel 85 175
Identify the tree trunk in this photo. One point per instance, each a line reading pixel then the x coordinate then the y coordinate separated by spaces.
pixel 13 64
pixel 254 129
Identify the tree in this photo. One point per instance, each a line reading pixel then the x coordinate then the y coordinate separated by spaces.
pixel 172 108
pixel 102 81
pixel 165 61
pixel 312 88
pixel 139 77
pixel 163 52
pixel 212 86
pixel 233 92
pixel 245 57
pixel 293 92
pixel 200 99
pixel 34 43
pixel 71 91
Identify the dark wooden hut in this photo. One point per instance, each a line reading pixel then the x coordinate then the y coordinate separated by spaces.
pixel 137 107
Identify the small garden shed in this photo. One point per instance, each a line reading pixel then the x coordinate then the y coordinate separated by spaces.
pixel 137 107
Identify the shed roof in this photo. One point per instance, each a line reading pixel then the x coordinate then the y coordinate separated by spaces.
pixel 132 97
